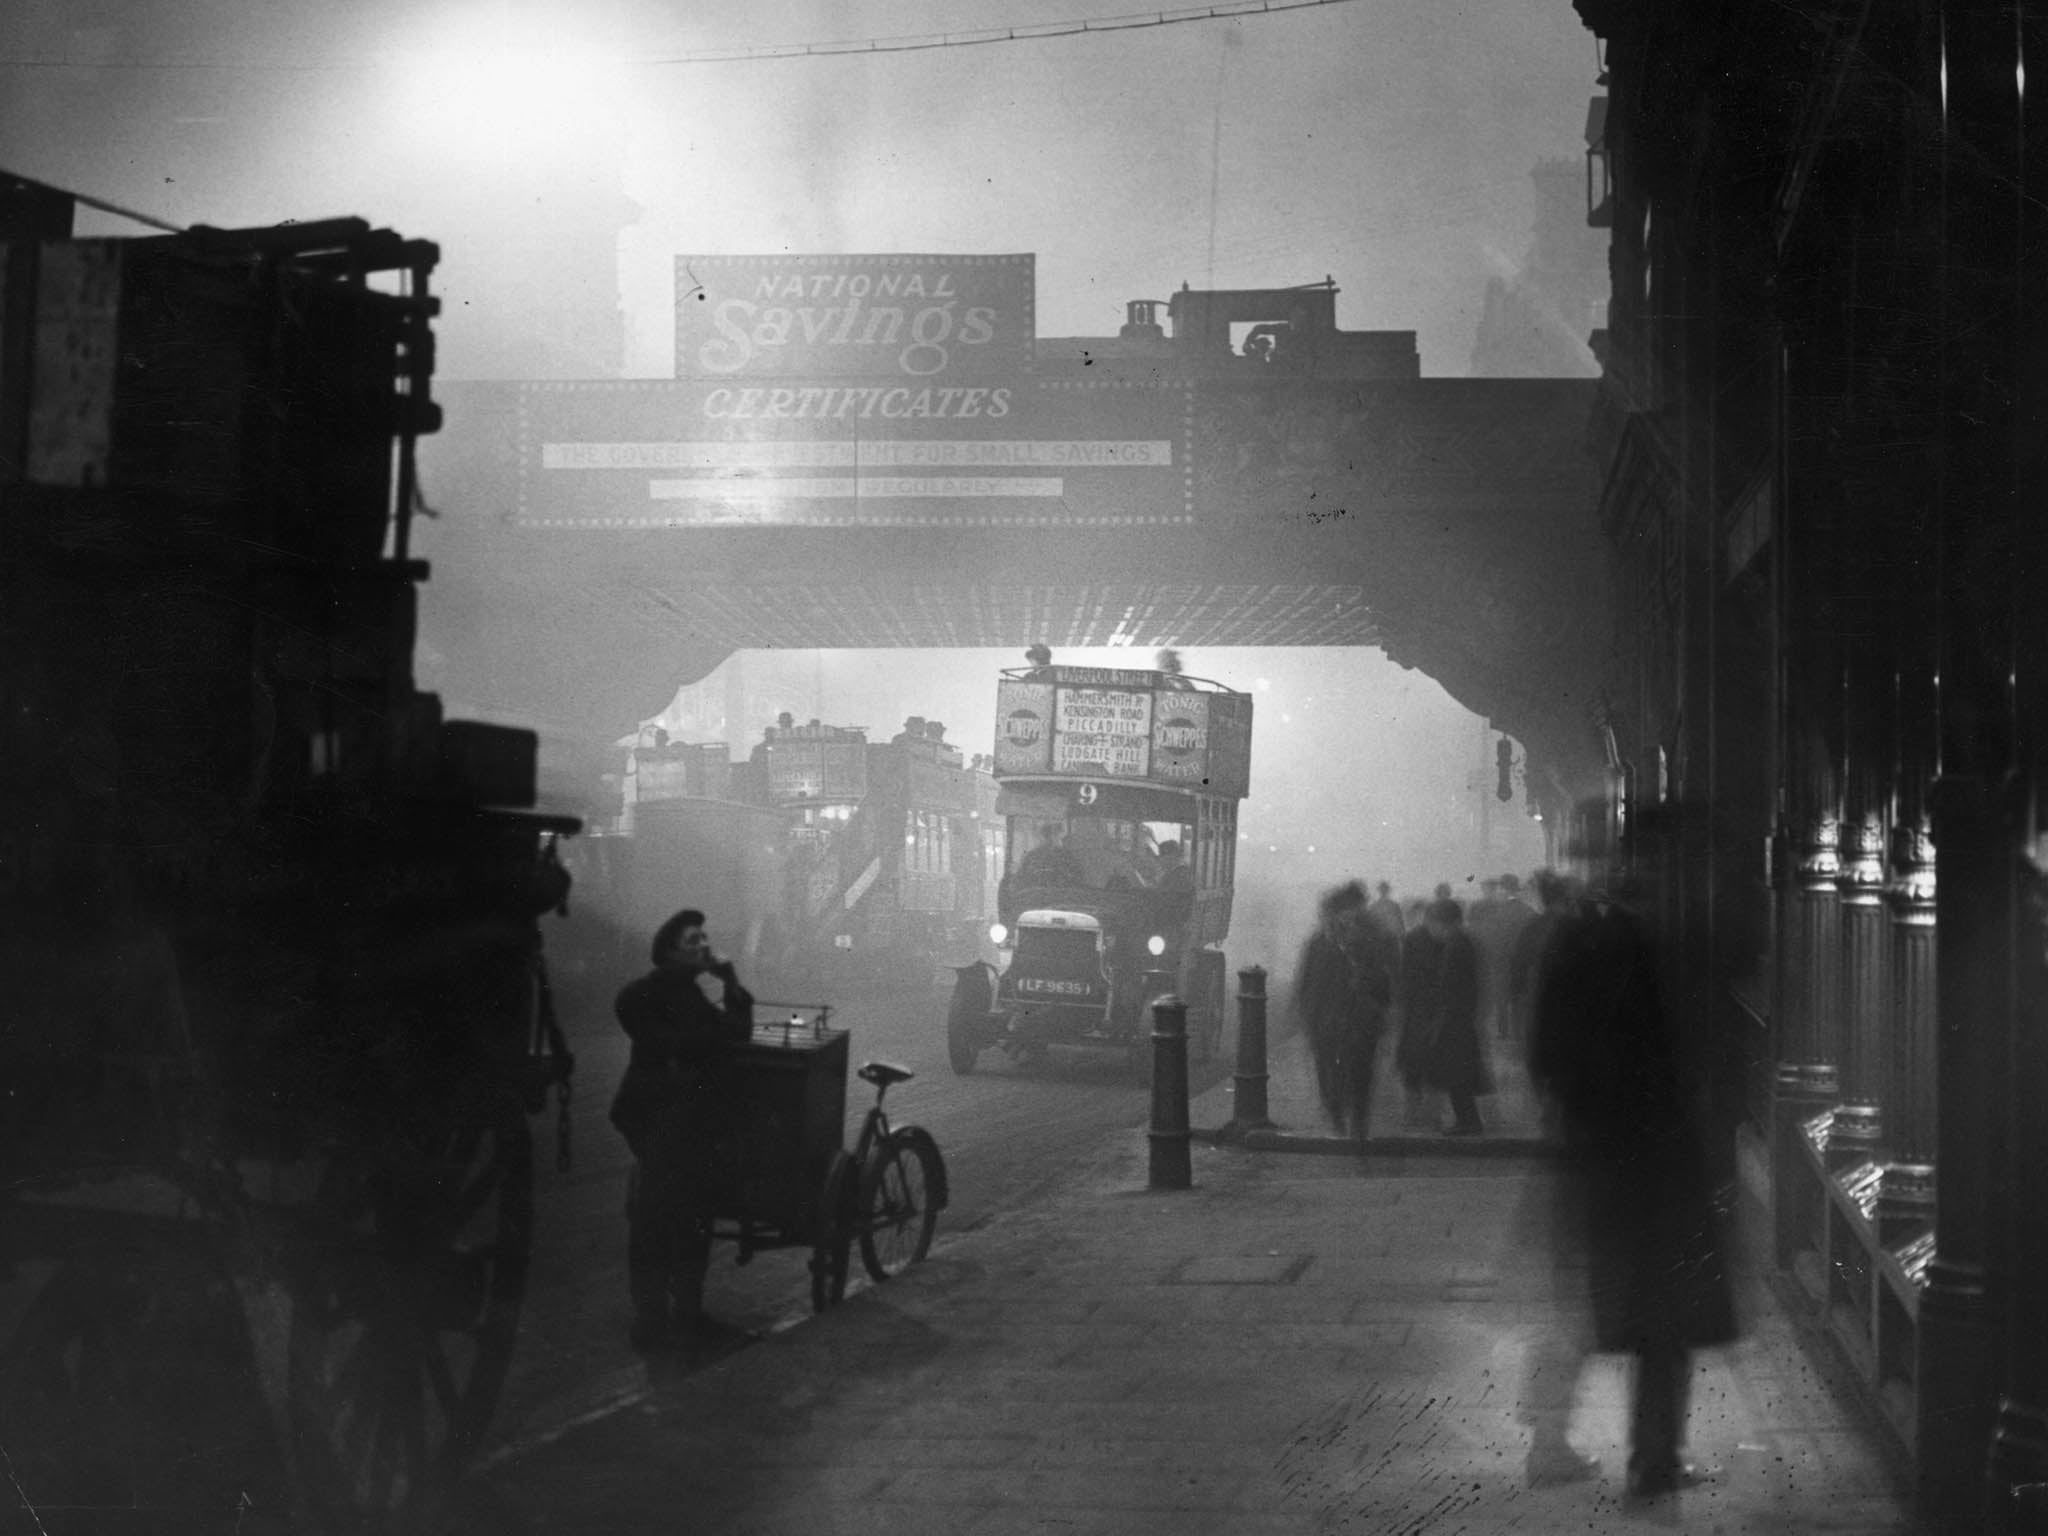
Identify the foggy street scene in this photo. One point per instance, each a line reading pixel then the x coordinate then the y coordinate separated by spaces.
pixel 1017 766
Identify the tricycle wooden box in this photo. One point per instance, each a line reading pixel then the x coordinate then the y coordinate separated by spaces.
pixel 785 1117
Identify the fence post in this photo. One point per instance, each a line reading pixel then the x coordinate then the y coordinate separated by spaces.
pixel 1171 1168
pixel 1249 1111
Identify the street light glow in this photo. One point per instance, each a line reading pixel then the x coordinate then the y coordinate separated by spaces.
pixel 527 93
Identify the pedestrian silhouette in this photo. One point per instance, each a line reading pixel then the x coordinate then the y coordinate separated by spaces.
pixel 1633 1218
pixel 1387 912
pixel 1440 1048
pixel 1554 899
pixel 1341 991
pixel 1497 926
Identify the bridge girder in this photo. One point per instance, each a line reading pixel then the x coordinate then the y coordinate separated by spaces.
pixel 1452 522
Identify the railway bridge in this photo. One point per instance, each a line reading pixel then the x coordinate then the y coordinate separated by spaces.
pixel 1245 473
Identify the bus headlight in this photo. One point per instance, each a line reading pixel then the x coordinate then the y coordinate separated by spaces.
pixel 1156 945
pixel 997 933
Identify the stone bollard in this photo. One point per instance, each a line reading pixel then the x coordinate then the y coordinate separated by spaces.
pixel 1157 984
pixel 1171 1168
pixel 1249 1111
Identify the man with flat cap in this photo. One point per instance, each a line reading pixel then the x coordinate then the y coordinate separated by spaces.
pixel 683 1018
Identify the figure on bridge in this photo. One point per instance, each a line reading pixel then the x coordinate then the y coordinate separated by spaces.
pixel 682 1017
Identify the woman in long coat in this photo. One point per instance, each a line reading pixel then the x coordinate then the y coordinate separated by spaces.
pixel 1440 1046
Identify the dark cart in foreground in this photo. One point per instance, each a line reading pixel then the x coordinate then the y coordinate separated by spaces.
pixel 275 1249
pixel 785 1177
pixel 275 1013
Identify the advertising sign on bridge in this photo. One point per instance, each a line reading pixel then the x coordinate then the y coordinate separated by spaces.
pixel 693 454
pixel 883 318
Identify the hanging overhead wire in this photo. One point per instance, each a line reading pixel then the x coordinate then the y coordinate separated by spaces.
pixel 1027 32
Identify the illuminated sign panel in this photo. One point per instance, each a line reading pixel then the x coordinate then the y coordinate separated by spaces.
pixel 685 454
pixel 933 319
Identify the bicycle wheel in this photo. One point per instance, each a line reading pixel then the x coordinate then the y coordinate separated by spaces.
pixel 901 1191
pixel 832 1249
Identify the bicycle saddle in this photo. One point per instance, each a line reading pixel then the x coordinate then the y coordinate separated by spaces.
pixel 883 1073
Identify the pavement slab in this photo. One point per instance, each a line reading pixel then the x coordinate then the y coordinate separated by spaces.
pixel 1296 1344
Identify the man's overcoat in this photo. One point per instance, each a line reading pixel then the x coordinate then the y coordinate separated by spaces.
pixel 1440 1013
pixel 679 1036
pixel 1634 1186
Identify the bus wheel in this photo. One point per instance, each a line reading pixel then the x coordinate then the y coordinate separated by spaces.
pixel 962 1050
pixel 964 1038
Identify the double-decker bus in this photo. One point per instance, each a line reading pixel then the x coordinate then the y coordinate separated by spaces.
pixel 823 858
pixel 1117 790
pixel 892 849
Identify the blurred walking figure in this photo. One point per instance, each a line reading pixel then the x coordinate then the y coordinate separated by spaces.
pixel 1341 989
pixel 1440 1047
pixel 1517 911
pixel 1387 912
pixel 1484 921
pixel 1634 1210
pixel 1412 1042
pixel 1532 943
